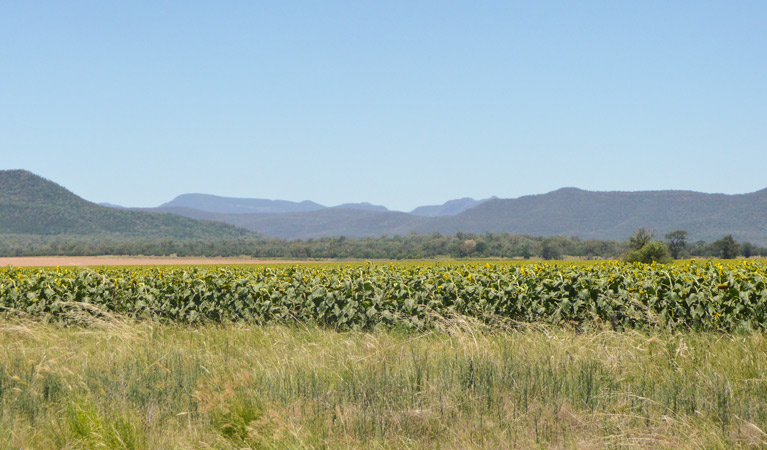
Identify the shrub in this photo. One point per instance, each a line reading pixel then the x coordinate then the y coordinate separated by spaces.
pixel 655 251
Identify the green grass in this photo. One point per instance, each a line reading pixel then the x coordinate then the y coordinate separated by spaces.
pixel 149 386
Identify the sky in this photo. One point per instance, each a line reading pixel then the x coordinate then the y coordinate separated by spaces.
pixel 399 103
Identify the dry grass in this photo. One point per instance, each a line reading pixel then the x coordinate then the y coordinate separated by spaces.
pixel 464 385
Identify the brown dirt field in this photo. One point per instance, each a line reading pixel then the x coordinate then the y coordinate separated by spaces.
pixel 53 261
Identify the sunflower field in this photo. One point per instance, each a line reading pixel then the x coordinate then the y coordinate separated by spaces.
pixel 707 296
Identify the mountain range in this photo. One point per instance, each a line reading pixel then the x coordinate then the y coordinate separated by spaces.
pixel 564 212
pixel 30 204
pixel 232 205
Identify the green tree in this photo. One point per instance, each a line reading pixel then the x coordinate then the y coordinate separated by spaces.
pixel 726 248
pixel 525 253
pixel 641 237
pixel 643 249
pixel 677 242
pixel 550 249
pixel 654 251
pixel 747 249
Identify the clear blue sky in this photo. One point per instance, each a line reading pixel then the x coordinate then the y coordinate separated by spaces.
pixel 399 103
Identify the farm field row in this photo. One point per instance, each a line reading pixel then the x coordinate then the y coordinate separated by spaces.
pixel 712 296
pixel 84 261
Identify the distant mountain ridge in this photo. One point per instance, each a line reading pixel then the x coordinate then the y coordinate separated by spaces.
pixel 616 215
pixel 449 208
pixel 234 205
pixel 30 204
pixel 565 212
pixel 363 206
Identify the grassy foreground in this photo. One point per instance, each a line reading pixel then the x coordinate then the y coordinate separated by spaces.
pixel 152 386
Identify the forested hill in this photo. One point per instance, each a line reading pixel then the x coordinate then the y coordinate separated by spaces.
pixel 616 215
pixel 30 204
pixel 565 212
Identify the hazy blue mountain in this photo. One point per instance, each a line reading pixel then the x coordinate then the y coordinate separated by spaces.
pixel 352 223
pixel 313 224
pixel 565 212
pixel 364 206
pixel 30 204
pixel 449 208
pixel 231 205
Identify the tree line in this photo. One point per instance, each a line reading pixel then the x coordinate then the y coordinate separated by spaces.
pixel 640 247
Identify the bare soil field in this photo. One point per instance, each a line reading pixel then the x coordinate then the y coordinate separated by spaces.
pixel 53 261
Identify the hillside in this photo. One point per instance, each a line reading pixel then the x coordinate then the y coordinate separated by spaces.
pixel 565 212
pixel 337 221
pixel 331 222
pixel 616 215
pixel 32 205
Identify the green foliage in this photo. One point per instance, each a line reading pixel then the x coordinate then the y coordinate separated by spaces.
pixel 550 250
pixel 651 252
pixel 703 297
pixel 643 249
pixel 641 237
pixel 726 248
pixel 677 242
pixel 412 246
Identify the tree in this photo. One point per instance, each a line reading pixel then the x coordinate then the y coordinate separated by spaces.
pixel 726 248
pixel 643 249
pixel 677 242
pixel 640 238
pixel 467 247
pixel 525 253
pixel 550 249
pixel 747 249
pixel 651 252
